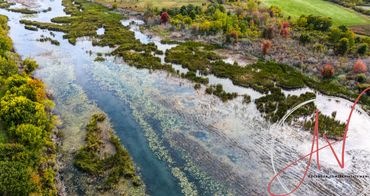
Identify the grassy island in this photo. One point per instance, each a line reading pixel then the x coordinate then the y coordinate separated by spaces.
pixel 104 157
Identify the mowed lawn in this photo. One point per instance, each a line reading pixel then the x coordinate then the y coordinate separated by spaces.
pixel 339 14
pixel 140 5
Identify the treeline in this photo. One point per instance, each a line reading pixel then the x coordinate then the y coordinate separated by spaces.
pixel 214 18
pixel 27 153
pixel 320 32
pixel 354 4
pixel 248 20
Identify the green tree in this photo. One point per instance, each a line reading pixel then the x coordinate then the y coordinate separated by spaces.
pixel 5 43
pixel 343 46
pixel 15 179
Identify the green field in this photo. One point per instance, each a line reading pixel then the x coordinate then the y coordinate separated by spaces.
pixel 339 14
pixel 140 5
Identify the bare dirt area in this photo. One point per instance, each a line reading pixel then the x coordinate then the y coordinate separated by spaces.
pixel 361 29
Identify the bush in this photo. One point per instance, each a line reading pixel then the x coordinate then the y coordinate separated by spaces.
pixel 327 71
pixel 360 67
pixel 246 99
pixel 28 134
pixel 197 86
pixel 7 67
pixel 305 38
pixel 268 32
pixel 165 17
pixel 266 46
pixel 19 110
pixel 219 92
pixel 320 23
pixel 29 65
pixel 362 49
pixel 342 47
pixel 361 78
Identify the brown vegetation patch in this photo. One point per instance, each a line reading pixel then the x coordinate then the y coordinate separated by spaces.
pixel 361 29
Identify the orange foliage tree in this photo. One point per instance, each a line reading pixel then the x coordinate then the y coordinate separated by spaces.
pixel 327 71
pixel 360 67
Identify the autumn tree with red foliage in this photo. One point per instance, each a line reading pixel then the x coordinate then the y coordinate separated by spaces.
pixel 284 31
pixel 360 67
pixel 165 17
pixel 266 46
pixel 327 71
pixel 285 24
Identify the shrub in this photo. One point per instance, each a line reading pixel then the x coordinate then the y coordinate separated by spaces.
pixel 285 32
pixel 19 110
pixel 7 67
pixel 197 86
pixel 327 71
pixel 268 33
pixel 29 65
pixel 27 134
pixel 360 67
pixel 361 78
pixel 305 38
pixel 320 23
pixel 284 24
pixel 362 49
pixel 343 46
pixel 319 47
pixel 165 17
pixel 235 36
pixel 266 46
pixel 246 99
pixel 15 179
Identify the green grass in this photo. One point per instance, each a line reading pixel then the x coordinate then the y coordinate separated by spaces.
pixel 339 14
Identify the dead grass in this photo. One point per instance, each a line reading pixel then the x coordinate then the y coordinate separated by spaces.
pixel 361 29
pixel 140 5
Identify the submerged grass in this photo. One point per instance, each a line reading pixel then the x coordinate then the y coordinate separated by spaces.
pixel 48 39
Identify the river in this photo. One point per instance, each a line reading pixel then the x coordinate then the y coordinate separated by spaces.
pixel 182 140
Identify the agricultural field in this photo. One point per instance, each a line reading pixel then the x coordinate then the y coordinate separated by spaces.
pixel 140 5
pixel 339 14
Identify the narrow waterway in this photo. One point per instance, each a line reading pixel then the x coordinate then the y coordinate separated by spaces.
pixel 182 140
